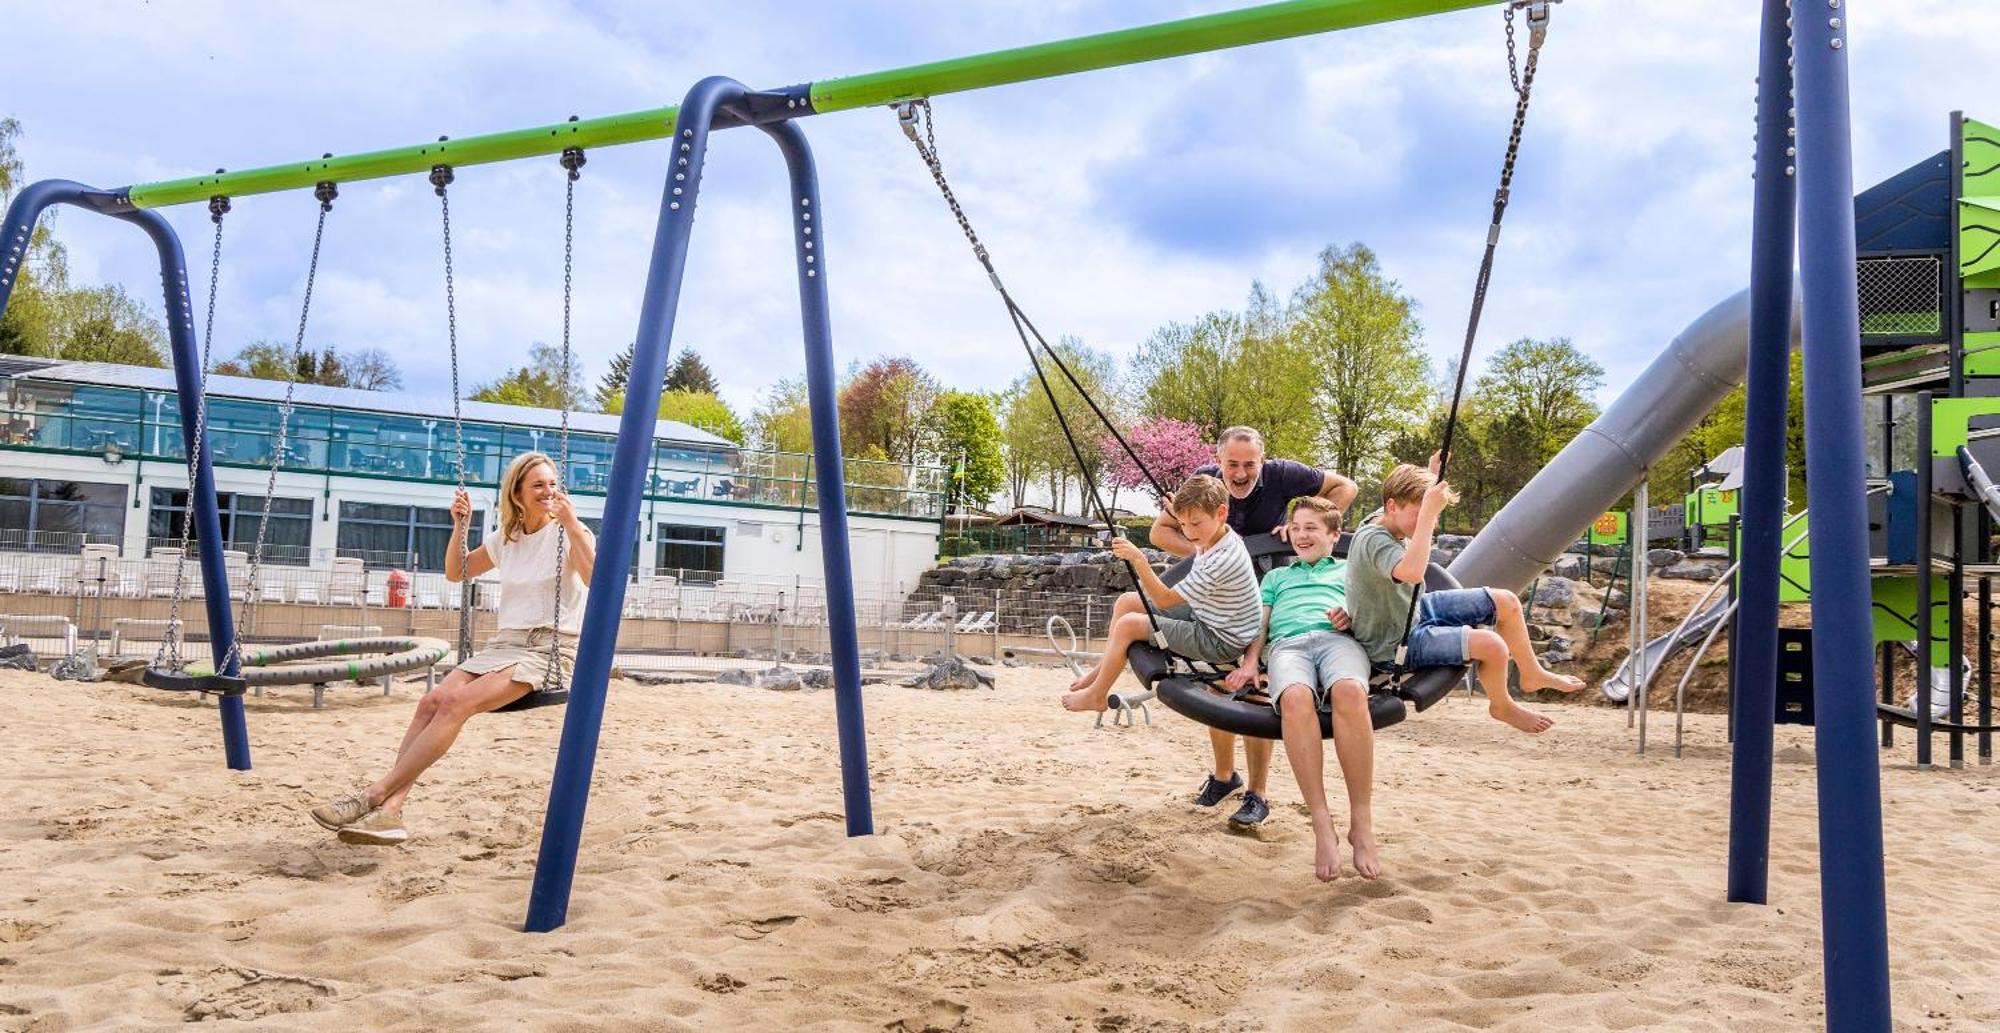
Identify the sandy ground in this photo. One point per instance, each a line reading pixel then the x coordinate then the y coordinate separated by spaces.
pixel 1028 873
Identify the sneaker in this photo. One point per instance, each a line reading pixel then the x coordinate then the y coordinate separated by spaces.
pixel 1253 811
pixel 1215 790
pixel 376 828
pixel 342 812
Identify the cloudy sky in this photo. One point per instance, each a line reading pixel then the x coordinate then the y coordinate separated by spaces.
pixel 1113 201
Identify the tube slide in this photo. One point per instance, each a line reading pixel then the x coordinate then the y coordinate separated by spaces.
pixel 1618 687
pixel 1610 456
pixel 1982 484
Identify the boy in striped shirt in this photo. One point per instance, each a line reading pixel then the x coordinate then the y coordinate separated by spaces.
pixel 1210 615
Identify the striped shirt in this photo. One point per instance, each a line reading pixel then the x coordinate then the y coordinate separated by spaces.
pixel 1222 590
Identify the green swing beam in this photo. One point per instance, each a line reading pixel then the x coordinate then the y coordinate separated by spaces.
pixel 1221 31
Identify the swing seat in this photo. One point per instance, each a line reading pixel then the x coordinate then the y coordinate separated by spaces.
pixel 1391 690
pixel 534 699
pixel 181 681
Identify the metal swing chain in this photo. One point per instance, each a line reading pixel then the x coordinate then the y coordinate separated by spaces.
pixel 169 654
pixel 440 178
pixel 572 163
pixel 1523 80
pixel 325 192
pixel 909 114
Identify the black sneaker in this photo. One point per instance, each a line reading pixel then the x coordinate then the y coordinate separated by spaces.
pixel 1214 791
pixel 1253 811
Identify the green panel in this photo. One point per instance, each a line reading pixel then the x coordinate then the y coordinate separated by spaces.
pixel 1979 205
pixel 1894 606
pixel 1982 355
pixel 1795 565
pixel 1950 418
pixel 1126 46
pixel 1612 528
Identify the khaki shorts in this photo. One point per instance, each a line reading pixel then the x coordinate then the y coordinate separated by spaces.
pixel 527 652
pixel 1187 636
pixel 1317 660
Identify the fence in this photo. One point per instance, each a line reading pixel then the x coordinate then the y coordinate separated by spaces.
pixel 672 620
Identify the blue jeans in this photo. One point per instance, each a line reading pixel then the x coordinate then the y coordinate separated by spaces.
pixel 1443 619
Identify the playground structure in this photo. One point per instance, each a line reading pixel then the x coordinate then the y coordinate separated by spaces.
pixel 1803 173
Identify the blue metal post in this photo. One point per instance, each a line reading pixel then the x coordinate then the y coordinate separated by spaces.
pixel 1754 657
pixel 14 234
pixel 1854 922
pixel 712 102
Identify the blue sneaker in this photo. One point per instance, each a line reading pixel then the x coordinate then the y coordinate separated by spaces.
pixel 1253 811
pixel 1214 791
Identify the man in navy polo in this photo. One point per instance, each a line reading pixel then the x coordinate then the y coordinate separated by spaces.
pixel 1260 492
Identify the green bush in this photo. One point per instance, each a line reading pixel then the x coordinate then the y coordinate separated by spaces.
pixel 957 545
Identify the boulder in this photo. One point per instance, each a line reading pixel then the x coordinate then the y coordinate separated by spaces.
pixel 19 657
pixel 1570 565
pixel 1661 559
pixel 951 673
pixel 1691 571
pixel 1555 592
pixel 779 678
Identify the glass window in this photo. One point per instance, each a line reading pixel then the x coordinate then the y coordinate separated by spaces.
pixel 289 542
pixel 406 537
pixel 59 516
pixel 689 552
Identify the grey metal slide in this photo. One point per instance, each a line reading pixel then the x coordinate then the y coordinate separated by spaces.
pixel 1618 688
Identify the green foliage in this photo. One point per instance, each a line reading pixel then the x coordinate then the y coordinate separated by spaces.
pixel 544 383
pixel 264 360
pixel 614 379
pixel 1547 387
pixel 969 443
pixel 697 409
pixel 1035 446
pixel 370 369
pixel 782 422
pixel 1364 343
pixel 957 545
pixel 1226 369
pixel 689 373
pixel 890 404
pixel 104 324
pixel 1723 427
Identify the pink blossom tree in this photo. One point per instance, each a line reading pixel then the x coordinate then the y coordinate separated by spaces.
pixel 1171 449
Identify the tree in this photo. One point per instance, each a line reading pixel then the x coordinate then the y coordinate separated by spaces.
pixel 1171 449
pixel 969 445
pixel 1178 365
pixel 1548 386
pixel 1362 337
pixel 888 403
pixel 325 369
pixel 264 360
pixel 782 421
pixel 1226 369
pixel 544 383
pixel 31 324
pixel 372 369
pixel 1034 436
pixel 104 324
pixel 1020 440
pixel 689 373
pixel 614 379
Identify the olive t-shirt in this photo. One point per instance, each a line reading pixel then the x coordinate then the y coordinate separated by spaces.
pixel 1376 601
pixel 1278 483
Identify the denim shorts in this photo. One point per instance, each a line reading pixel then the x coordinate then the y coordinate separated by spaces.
pixel 1316 660
pixel 1443 620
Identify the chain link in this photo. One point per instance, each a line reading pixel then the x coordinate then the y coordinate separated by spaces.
pixel 572 161
pixel 325 193
pixel 441 178
pixel 918 112
pixel 169 654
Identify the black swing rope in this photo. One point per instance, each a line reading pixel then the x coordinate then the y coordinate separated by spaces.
pixel 1523 79
pixel 910 115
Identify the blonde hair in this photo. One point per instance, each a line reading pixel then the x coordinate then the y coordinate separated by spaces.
pixel 1407 483
pixel 1200 493
pixel 514 519
pixel 1328 512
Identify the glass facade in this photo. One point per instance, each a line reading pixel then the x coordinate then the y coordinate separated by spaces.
pixel 89 419
pixel 289 540
pixel 405 537
pixel 59 516
pixel 694 552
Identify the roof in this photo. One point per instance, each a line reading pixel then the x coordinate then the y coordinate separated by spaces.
pixel 354 399
pixel 1044 517
pixel 1909 211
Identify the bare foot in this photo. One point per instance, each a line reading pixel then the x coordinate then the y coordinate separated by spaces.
pixel 1365 860
pixel 1546 679
pixel 1518 716
pixel 1082 680
pixel 1326 854
pixel 1085 699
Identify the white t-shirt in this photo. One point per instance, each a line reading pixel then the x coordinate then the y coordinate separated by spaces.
pixel 527 570
pixel 1222 590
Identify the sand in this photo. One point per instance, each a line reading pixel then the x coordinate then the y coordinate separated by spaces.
pixel 1029 874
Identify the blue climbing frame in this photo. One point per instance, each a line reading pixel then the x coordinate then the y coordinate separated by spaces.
pixel 1853 913
pixel 15 232
pixel 713 102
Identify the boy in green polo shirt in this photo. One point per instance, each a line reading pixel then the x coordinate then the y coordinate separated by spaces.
pixel 1311 657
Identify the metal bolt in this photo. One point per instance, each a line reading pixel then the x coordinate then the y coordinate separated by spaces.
pixel 809 259
pixel 687 133
pixel 685 148
pixel 683 162
pixel 1833 4
pixel 1788 170
pixel 807 216
pixel 1836 44
pixel 1833 23
pixel 677 191
pixel 809 245
pixel 1789 131
pixel 676 206
pixel 805 202
pixel 1791 152
pixel 809 231
pixel 811 273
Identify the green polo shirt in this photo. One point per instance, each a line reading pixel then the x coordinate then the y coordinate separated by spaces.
pixel 1300 594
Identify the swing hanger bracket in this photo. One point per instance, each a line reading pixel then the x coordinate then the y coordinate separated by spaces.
pixel 324 192
pixel 441 177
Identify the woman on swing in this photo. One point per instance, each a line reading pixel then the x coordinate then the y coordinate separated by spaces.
pixel 534 513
